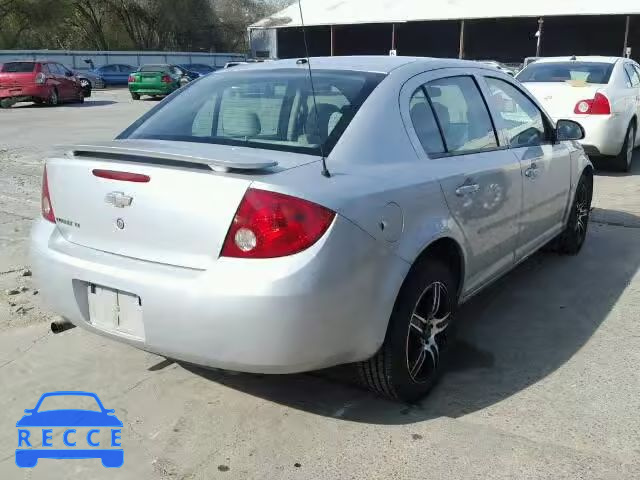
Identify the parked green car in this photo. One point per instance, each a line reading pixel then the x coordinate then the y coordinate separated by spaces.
pixel 158 80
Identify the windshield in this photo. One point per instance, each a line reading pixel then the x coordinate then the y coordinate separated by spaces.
pixel 587 72
pixel 271 109
pixel 18 67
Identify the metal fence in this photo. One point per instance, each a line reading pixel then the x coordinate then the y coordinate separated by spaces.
pixel 76 58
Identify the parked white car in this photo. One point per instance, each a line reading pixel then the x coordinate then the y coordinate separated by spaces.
pixel 601 93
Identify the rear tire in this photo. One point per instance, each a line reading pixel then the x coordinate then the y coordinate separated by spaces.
pixel 6 103
pixel 419 335
pixel 571 240
pixel 135 96
pixel 624 160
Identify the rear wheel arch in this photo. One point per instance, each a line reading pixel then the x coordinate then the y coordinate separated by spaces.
pixel 447 250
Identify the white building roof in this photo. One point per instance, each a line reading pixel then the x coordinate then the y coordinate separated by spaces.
pixel 345 12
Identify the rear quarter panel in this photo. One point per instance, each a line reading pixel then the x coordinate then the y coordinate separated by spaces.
pixel 377 180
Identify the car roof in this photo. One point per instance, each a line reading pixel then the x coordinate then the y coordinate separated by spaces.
pixel 576 58
pixel 364 63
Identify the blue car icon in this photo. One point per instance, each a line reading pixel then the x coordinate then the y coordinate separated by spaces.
pixel 36 419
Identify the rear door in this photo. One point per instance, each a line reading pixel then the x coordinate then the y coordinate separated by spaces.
pixel 70 84
pixel 546 164
pixel 110 74
pixel 481 180
pixel 56 77
pixel 124 72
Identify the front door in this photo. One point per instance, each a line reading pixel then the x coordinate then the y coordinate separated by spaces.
pixel 546 164
pixel 481 180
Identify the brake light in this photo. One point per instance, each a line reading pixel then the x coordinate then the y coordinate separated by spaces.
pixel 269 225
pixel 41 79
pixel 47 208
pixel 599 105
pixel 131 79
pixel 166 79
pixel 122 176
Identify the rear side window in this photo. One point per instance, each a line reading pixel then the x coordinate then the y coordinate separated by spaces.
pixel 109 69
pixel 462 114
pixel 53 69
pixel 557 72
pixel 633 74
pixel 18 67
pixel 272 109
pixel 520 119
pixel 424 123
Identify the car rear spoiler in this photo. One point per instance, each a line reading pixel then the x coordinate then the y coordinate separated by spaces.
pixel 167 152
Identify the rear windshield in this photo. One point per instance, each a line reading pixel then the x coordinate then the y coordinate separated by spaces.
pixel 271 109
pixel 154 68
pixel 587 72
pixel 18 67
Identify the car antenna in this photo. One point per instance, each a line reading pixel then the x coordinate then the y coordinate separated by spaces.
pixel 325 171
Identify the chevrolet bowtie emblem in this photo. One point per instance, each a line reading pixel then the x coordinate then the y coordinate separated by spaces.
pixel 118 199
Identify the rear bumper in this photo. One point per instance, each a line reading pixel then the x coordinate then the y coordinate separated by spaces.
pixel 604 134
pixel 325 306
pixel 143 89
pixel 26 91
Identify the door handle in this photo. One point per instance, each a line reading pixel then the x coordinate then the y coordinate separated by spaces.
pixel 467 189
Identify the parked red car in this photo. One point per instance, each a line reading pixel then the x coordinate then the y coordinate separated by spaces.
pixel 41 82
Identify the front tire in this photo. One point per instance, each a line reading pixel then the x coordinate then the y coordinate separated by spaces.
pixel 419 336
pixel 572 239
pixel 54 99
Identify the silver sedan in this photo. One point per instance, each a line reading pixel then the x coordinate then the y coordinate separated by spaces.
pixel 254 223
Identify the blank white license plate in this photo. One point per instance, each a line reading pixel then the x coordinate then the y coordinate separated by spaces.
pixel 115 311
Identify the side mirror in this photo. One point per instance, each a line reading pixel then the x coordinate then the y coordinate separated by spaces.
pixel 569 130
pixel 68 74
pixel 28 410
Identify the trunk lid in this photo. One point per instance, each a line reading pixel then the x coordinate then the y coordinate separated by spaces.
pixel 559 99
pixel 150 77
pixel 179 217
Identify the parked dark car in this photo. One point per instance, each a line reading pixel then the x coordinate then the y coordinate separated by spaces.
pixel 41 82
pixel 88 81
pixel 114 74
pixel 199 68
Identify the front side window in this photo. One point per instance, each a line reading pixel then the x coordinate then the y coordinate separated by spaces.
pixel 424 123
pixel 520 119
pixel 633 74
pixel 272 109
pixel 462 114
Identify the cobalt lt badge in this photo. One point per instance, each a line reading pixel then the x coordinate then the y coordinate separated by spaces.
pixel 120 224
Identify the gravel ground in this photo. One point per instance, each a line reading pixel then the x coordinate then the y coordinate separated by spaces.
pixel 545 382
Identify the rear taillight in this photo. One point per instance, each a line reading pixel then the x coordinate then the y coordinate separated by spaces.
pixel 166 79
pixel 599 105
pixel 131 79
pixel 47 208
pixel 41 79
pixel 269 225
